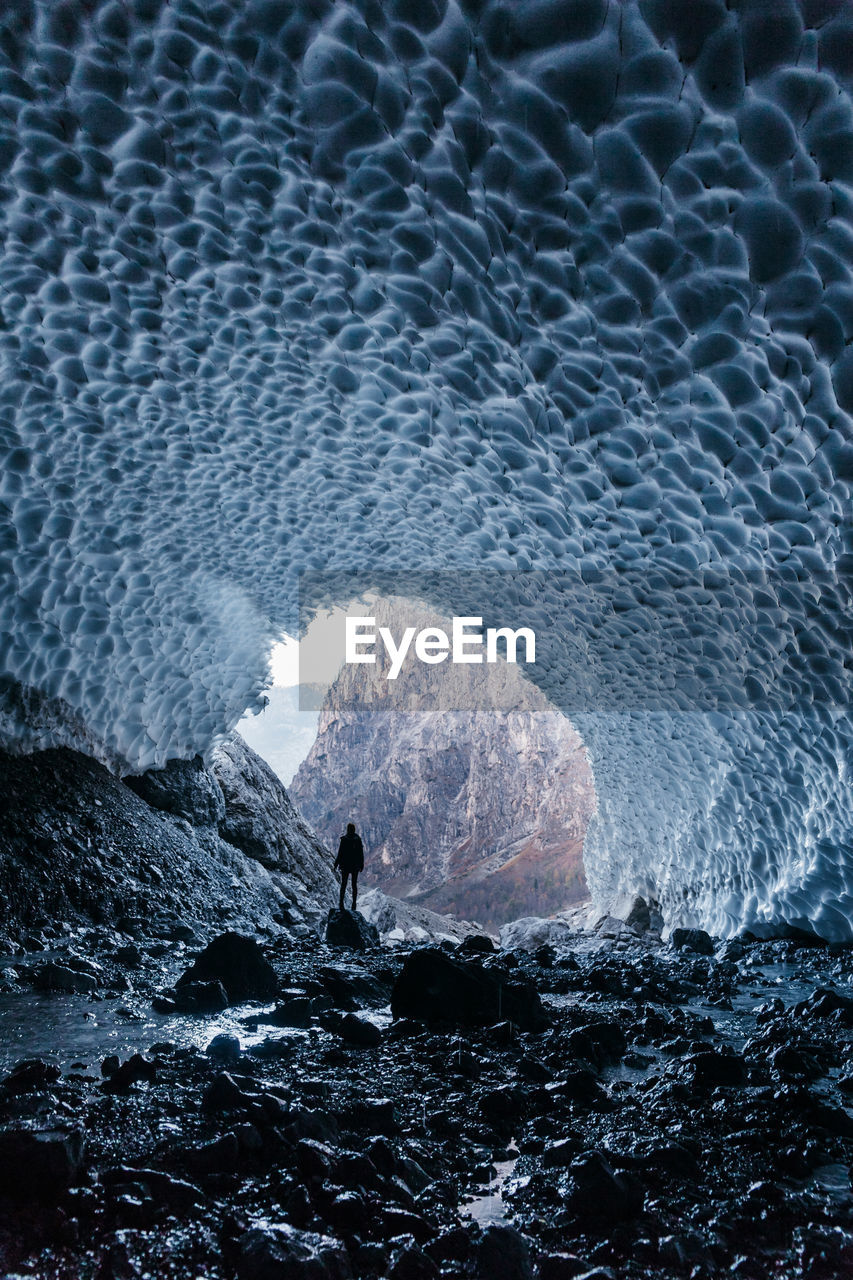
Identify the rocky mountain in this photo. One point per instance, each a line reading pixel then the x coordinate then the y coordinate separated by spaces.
pixel 186 846
pixel 472 793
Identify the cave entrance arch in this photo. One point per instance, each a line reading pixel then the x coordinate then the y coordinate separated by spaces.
pixel 472 790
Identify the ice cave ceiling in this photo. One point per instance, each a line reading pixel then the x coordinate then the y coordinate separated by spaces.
pixel 560 287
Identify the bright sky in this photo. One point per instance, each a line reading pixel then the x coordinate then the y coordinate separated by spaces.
pixel 318 657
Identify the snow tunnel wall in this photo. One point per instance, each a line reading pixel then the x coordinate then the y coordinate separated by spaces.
pixel 547 286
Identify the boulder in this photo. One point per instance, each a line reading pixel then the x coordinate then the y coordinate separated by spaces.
pixel 503 1254
pixel 600 1193
pixel 434 987
pixel 350 929
pixel 360 1032
pixel 30 1075
pixel 692 940
pixel 195 997
pixel 275 1251
pixel 59 977
pixel 239 964
pixel 38 1163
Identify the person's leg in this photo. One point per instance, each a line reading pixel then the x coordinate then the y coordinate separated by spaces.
pixel 354 875
pixel 343 886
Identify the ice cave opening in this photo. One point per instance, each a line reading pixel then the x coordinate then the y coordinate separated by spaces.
pixel 472 791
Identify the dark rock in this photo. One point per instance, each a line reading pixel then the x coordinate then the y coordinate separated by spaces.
pixel 411 1263
pixel 194 997
pixel 360 1032
pixel 350 929
pixel 60 977
pixel 38 1164
pixel 224 1048
pixel 560 1266
pixel 692 940
pixel 454 1245
pixel 711 1068
pixel 239 964
pixel 351 988
pixel 608 1038
pixel 370 1258
pixel 221 1155
pixel 223 1094
pixel 110 1064
pixel 559 1155
pixel 184 789
pixel 639 916
pixel 30 1075
pixel 601 1194
pixel 502 1253
pixel 275 1252
pixel 135 1070
pixel 476 943
pixel 377 1114
pixel 295 1010
pixel 401 1222
pixel 175 1193
pixel 824 1003
pixel 439 988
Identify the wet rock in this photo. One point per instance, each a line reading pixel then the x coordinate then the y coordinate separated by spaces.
pixel 350 929
pixel 601 1194
pixel 476 944
pixel 38 1164
pixel 360 1032
pixel 224 1048
pixel 435 987
pixel 824 1003
pixel 376 1114
pixel 184 789
pixel 370 1259
pixel 453 1246
pixel 220 1155
pixel 135 1070
pixel 502 1253
pixel 30 1075
pixel 710 1068
pixel 351 988
pixel 278 1251
pixel 411 1263
pixel 60 977
pixel 195 997
pixel 163 1189
pixel 693 940
pixel 560 1266
pixel 294 1010
pixel 239 964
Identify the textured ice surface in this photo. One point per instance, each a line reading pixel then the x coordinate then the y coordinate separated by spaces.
pixel 537 285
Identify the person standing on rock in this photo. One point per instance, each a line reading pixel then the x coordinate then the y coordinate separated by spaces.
pixel 350 861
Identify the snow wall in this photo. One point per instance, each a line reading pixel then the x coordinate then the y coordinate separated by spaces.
pixel 559 288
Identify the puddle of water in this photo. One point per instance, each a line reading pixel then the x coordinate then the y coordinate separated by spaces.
pixel 67 1029
pixel 490 1208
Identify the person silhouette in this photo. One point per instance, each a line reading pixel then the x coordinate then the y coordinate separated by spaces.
pixel 350 861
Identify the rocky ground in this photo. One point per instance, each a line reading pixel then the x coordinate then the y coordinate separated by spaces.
pixel 636 1110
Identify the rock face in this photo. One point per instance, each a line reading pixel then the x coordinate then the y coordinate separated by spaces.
pixel 473 799
pixel 174 845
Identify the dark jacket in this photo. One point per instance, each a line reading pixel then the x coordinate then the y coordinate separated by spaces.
pixel 350 854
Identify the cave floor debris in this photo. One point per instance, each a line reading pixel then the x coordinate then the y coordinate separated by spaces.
pixel 680 1115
